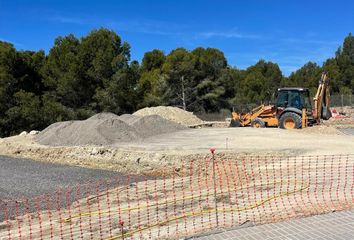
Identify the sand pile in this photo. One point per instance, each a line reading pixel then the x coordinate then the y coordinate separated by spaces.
pixel 171 113
pixel 105 129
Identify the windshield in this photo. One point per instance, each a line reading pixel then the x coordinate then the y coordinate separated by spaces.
pixel 294 98
pixel 282 99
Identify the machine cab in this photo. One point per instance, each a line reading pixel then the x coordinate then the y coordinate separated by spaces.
pixel 298 98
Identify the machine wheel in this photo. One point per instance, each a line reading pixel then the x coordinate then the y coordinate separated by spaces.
pixel 258 123
pixel 235 123
pixel 290 120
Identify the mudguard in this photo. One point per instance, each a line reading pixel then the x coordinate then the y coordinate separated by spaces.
pixel 290 109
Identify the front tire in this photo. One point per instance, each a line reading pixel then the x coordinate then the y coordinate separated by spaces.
pixel 258 123
pixel 290 120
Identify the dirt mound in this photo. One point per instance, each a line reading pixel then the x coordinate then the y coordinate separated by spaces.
pixel 104 116
pixel 129 119
pixel 152 125
pixel 105 129
pixel 340 121
pixel 171 113
pixel 92 131
pixel 322 129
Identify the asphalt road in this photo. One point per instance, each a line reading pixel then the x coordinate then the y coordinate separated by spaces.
pixel 25 179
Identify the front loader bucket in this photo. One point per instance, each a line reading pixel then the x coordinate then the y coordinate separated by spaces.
pixel 235 123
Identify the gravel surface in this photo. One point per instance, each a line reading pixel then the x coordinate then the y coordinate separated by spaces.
pixel 28 178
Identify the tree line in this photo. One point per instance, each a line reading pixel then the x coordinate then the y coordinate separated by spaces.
pixel 82 76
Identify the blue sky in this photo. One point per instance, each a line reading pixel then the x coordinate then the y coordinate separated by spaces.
pixel 289 33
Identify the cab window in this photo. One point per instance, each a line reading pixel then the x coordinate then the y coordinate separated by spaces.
pixel 282 100
pixel 295 99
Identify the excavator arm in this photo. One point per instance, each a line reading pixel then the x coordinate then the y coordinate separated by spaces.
pixel 322 100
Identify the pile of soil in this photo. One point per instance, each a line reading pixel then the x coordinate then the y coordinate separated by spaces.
pixel 339 121
pixel 322 129
pixel 106 129
pixel 171 113
pixel 347 110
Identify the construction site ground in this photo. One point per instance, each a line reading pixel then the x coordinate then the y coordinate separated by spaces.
pixel 166 154
pixel 168 151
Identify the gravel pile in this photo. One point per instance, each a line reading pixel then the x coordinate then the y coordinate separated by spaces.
pixel 171 113
pixel 105 129
pixel 152 125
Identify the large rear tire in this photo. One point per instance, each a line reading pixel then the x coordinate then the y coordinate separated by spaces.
pixel 258 123
pixel 290 120
pixel 235 123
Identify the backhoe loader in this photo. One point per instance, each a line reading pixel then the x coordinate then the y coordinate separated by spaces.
pixel 292 110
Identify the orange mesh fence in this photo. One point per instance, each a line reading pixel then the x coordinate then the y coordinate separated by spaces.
pixel 203 195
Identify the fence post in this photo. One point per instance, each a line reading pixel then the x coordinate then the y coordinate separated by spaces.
pixel 212 150
pixel 121 224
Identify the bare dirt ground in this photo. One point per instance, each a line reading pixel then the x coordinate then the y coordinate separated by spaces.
pixel 252 190
pixel 169 151
pixel 166 154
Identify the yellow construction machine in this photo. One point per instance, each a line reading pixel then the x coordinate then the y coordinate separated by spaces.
pixel 292 110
